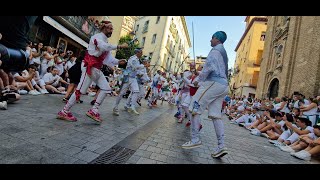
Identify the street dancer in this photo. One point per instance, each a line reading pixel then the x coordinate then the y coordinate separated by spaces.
pixel 134 66
pixel 98 53
pixel 212 90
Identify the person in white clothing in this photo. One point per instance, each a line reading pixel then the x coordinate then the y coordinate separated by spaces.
pixel 47 61
pixel 133 67
pixel 98 53
pixel 310 111
pixel 53 81
pixel 213 81
pixel 24 79
pixel 130 81
pixel 156 86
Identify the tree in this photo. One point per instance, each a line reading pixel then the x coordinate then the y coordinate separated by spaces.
pixel 128 52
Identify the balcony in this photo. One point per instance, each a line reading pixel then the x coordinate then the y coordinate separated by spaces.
pixel 79 25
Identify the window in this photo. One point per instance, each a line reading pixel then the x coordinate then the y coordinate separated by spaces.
pixel 150 55
pixel 137 28
pixel 154 37
pixel 145 28
pixel 164 57
pixel 263 36
pixel 171 45
pixel 168 42
pixel 158 19
pixel 143 41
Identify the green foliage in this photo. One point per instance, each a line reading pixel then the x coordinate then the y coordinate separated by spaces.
pixel 128 52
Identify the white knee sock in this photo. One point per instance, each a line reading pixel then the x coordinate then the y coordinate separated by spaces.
pixel 133 99
pixel 70 103
pixel 195 124
pixel 102 95
pixel 218 126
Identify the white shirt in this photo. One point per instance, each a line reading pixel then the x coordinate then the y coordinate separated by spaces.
pixel 133 66
pixel 70 64
pixel 240 108
pixel 277 106
pixel 253 117
pixel 49 77
pixel 296 104
pixel 102 44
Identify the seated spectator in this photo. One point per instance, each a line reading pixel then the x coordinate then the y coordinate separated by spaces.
pixel 274 122
pixel 38 80
pixel 277 134
pixel 53 81
pixel 23 81
pixel 310 111
pixel 303 127
pixel 312 150
pixel 32 68
pixel 304 141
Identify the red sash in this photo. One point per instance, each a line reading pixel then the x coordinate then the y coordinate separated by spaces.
pixel 92 61
pixel 193 90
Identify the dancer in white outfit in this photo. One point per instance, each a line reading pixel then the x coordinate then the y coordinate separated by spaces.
pixel 98 53
pixel 213 88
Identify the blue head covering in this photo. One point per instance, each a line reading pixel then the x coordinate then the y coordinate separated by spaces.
pixel 222 36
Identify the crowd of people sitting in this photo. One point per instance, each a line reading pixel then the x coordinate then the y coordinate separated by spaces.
pixel 290 123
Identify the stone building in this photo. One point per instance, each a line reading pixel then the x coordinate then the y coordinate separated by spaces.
pixel 291 58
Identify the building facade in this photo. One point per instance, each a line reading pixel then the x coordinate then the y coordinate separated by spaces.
pixel 166 40
pixel 63 32
pixel 291 57
pixel 248 57
pixel 122 26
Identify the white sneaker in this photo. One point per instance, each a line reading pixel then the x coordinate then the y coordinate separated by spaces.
pixel 22 92
pixel 287 149
pixel 279 144
pixel 304 155
pixel 191 145
pixel 33 92
pixel 64 93
pixel 3 105
pixel 265 135
pixel 133 110
pixel 116 111
pixel 256 132
pixel 37 92
pixel 44 91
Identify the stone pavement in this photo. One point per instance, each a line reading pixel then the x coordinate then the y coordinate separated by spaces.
pixel 31 134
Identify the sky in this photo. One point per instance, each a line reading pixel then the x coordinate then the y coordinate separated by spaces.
pixel 205 26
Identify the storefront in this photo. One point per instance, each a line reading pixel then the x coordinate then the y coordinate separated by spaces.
pixel 63 32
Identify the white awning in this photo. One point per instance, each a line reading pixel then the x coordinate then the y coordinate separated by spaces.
pixel 64 30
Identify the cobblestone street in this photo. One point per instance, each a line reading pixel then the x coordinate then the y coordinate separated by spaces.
pixel 30 134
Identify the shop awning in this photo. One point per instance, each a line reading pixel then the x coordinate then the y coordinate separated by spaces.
pixel 64 30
